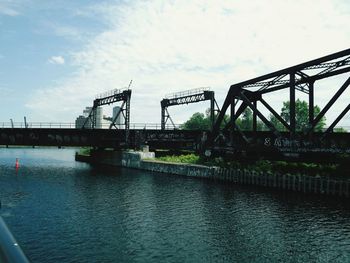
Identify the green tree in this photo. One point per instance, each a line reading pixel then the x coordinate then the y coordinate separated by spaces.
pixel 340 129
pixel 246 121
pixel 198 121
pixel 278 125
pixel 301 115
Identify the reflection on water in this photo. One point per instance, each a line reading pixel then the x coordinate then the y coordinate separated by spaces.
pixel 64 211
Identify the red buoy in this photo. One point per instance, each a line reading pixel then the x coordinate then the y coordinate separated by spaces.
pixel 17 163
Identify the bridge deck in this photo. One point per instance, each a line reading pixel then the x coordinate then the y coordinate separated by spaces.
pixel 103 138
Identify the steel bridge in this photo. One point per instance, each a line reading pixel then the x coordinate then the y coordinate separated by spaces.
pixel 101 138
pixel 303 78
pixel 186 97
pixel 225 137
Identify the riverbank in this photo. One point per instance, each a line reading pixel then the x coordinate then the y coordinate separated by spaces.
pixel 292 182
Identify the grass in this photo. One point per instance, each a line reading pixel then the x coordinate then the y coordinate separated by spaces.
pixel 85 151
pixel 184 158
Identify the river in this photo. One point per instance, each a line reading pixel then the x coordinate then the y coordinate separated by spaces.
pixel 60 210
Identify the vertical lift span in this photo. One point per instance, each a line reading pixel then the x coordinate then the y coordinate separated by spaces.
pixel 186 97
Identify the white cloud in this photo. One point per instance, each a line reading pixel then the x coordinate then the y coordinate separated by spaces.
pixel 59 60
pixel 8 11
pixel 10 7
pixel 177 45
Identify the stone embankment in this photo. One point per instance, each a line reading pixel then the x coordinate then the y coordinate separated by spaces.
pixel 293 182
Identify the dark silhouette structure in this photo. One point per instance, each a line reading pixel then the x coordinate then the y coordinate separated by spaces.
pixel 186 97
pixel 229 140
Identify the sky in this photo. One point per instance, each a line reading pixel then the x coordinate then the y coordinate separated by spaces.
pixel 55 56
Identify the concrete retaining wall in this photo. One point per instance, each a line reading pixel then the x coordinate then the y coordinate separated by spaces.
pixel 298 182
pixel 292 182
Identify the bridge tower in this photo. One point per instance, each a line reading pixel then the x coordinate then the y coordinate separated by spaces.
pixel 186 97
pixel 108 98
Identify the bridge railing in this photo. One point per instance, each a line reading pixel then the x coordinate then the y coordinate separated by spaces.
pixel 71 125
pixel 186 93
pixel 153 126
pixel 108 93
pixel 52 125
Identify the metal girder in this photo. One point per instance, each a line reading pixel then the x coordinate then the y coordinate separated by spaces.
pixel 235 115
pixel 112 97
pixel 335 63
pixel 186 97
pixel 329 104
pixel 114 120
pixel 121 96
pixel 274 113
pixel 335 122
pixel 260 115
pixel 292 121
pixel 101 138
pixel 302 78
pixel 165 118
pixel 206 95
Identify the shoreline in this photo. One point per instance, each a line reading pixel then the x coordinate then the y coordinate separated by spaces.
pixel 291 182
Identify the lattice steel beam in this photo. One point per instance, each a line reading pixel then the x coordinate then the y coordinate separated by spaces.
pixel 112 97
pixel 302 78
pixel 186 97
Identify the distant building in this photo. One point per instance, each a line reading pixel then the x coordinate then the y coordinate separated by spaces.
pixel 87 111
pixel 120 120
pixel 81 119
pixel 99 118
pixel 79 122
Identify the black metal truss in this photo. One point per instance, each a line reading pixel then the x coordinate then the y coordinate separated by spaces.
pixel 307 72
pixel 165 118
pixel 205 95
pixel 123 96
pixel 302 78
pixel 186 98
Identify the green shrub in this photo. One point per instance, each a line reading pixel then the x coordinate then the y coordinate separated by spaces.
pixel 185 158
pixel 85 151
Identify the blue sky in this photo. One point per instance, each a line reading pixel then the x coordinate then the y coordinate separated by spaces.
pixel 55 56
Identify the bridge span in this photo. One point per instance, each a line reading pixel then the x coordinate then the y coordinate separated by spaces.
pixel 264 144
pixel 101 138
pixel 225 138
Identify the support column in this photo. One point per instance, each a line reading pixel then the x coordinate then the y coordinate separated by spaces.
pixel 255 116
pixel 127 114
pixel 212 116
pixel 163 119
pixel 127 120
pixel 232 120
pixel 292 104
pixel 311 104
pixel 94 118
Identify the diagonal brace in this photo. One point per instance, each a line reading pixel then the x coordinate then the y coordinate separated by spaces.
pixel 329 104
pixel 116 117
pixel 260 115
pixel 275 113
pixel 240 110
pixel 341 115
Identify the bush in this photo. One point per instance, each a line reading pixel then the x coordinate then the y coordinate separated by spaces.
pixel 185 158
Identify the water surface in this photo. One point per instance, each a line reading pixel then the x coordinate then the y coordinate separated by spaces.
pixel 63 211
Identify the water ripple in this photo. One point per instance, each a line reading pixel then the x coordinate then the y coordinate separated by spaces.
pixel 63 211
